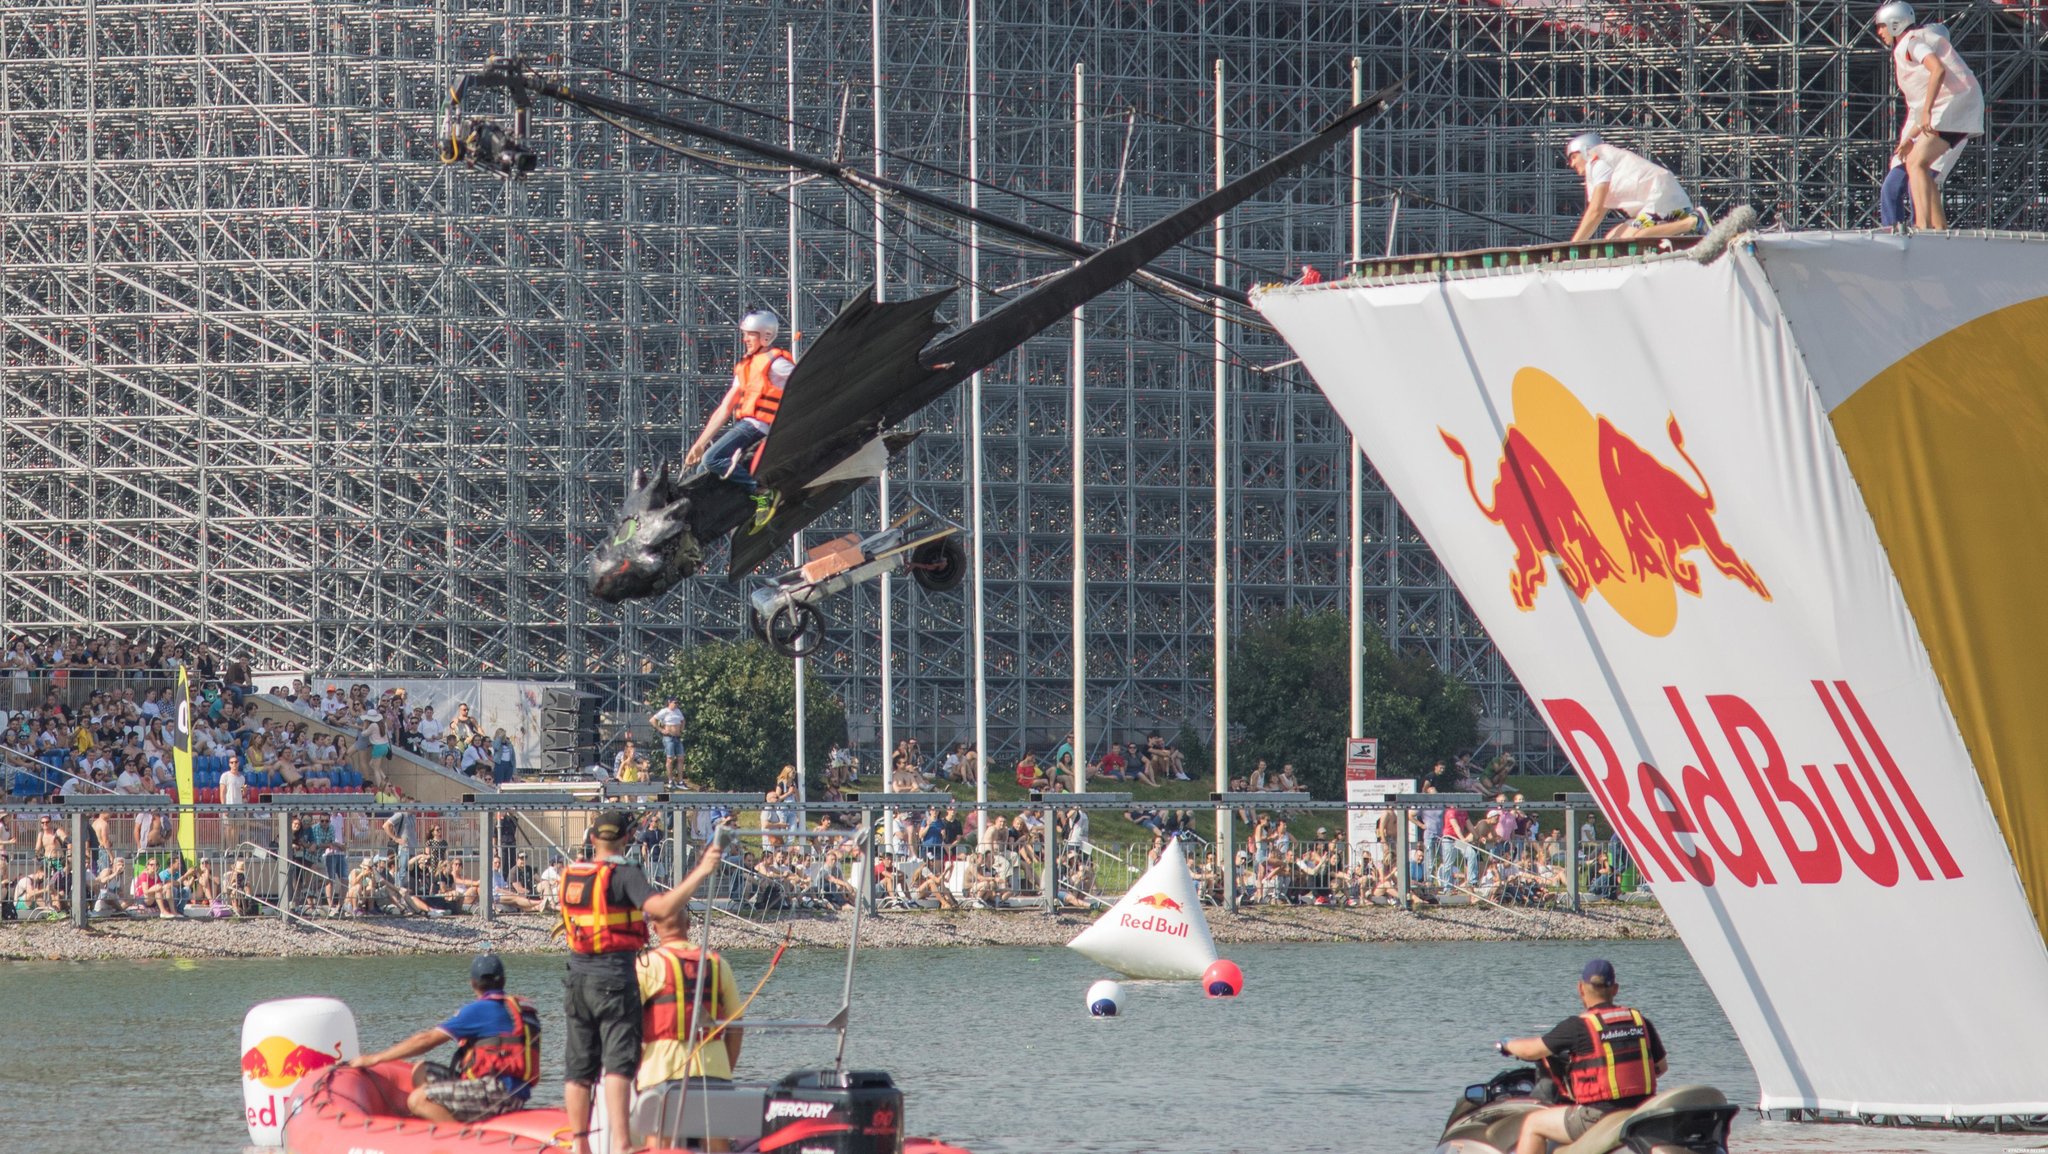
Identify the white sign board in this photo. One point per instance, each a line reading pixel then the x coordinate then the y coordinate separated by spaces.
pixel 1362 826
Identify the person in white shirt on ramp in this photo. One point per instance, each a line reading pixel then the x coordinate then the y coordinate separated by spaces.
pixel 1643 191
pixel 1944 109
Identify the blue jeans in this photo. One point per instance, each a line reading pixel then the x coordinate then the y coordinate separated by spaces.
pixel 732 455
pixel 1895 198
pixel 1462 849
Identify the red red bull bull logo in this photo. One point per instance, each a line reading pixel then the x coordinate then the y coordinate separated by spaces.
pixel 1611 515
pixel 278 1062
pixel 1158 902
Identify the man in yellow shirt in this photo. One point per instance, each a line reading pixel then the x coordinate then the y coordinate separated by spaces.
pixel 674 1022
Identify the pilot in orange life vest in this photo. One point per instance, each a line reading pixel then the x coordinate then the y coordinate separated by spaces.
pixel 756 394
pixel 684 1028
pixel 1613 1056
pixel 497 1060
pixel 606 905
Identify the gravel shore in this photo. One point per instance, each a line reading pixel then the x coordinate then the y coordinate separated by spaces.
pixel 267 938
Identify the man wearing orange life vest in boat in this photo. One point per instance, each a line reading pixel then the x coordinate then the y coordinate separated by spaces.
pixel 685 1003
pixel 497 1060
pixel 606 904
pixel 757 383
pixel 1613 1057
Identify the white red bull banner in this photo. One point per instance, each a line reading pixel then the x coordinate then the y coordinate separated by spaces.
pixel 1632 480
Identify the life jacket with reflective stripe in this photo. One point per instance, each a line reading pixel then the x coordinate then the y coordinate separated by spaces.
pixel 588 919
pixel 666 1017
pixel 1619 1066
pixel 759 395
pixel 515 1055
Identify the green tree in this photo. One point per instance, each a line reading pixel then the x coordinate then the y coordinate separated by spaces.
pixel 739 699
pixel 1290 687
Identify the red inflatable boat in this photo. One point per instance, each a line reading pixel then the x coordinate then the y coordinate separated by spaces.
pixel 344 1111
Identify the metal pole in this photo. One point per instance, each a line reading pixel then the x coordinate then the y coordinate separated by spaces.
pixel 1571 858
pixel 888 589
pixel 1221 620
pixel 282 848
pixel 796 543
pixel 680 835
pixel 1355 460
pixel 484 858
pixel 867 857
pixel 1078 371
pixel 1401 858
pixel 1052 863
pixel 79 913
pixel 980 654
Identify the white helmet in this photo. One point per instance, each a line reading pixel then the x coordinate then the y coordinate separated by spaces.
pixel 1584 142
pixel 761 321
pixel 1895 17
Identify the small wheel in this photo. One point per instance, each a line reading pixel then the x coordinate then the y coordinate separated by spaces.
pixel 939 565
pixel 757 623
pixel 795 629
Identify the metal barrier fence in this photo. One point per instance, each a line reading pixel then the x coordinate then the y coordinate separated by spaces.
pixel 24 689
pixel 307 857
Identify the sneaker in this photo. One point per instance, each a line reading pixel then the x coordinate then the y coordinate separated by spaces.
pixel 765 504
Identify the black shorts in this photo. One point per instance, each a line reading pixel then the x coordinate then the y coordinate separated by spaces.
pixel 1579 1119
pixel 604 1026
pixel 1952 138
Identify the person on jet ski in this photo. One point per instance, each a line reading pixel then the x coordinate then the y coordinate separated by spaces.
pixel 756 394
pixel 1612 1058
pixel 497 1060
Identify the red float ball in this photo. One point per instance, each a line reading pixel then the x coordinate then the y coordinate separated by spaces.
pixel 1222 979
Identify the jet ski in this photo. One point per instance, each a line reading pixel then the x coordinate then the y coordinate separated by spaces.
pixel 1680 1120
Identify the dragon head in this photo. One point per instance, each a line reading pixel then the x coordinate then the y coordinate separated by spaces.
pixel 651 547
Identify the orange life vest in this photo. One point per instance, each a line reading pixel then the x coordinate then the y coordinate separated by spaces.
pixel 516 1055
pixel 1619 1066
pixel 588 919
pixel 759 395
pixel 665 1017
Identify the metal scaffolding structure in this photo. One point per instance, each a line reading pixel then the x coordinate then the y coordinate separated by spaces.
pixel 274 376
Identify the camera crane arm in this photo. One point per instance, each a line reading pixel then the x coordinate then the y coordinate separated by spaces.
pixel 485 144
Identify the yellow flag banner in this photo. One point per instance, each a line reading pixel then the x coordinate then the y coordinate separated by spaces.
pixel 181 763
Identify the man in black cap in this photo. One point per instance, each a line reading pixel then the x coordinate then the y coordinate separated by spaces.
pixel 1612 1056
pixel 606 903
pixel 497 1059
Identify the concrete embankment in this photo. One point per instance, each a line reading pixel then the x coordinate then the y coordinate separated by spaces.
pixel 266 938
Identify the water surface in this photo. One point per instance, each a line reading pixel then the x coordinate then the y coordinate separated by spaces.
pixel 1344 1049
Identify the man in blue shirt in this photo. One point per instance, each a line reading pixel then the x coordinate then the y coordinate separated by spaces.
pixel 497 1059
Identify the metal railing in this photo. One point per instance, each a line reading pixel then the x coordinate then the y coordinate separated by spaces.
pixel 300 857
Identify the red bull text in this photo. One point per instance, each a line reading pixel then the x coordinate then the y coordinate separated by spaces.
pixel 1690 826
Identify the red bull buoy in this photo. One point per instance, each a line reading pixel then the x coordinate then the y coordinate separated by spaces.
pixel 1105 999
pixel 283 1041
pixel 1222 979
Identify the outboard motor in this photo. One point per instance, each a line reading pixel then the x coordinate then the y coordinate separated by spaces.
pixel 845 1112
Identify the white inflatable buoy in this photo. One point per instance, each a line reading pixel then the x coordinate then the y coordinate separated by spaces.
pixel 1157 930
pixel 283 1041
pixel 1105 999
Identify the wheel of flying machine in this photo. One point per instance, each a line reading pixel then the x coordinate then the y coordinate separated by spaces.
pixel 939 565
pixel 795 629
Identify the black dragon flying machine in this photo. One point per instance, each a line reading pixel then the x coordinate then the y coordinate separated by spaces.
pixel 843 409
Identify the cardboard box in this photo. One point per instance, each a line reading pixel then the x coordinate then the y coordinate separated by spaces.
pixel 834 556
